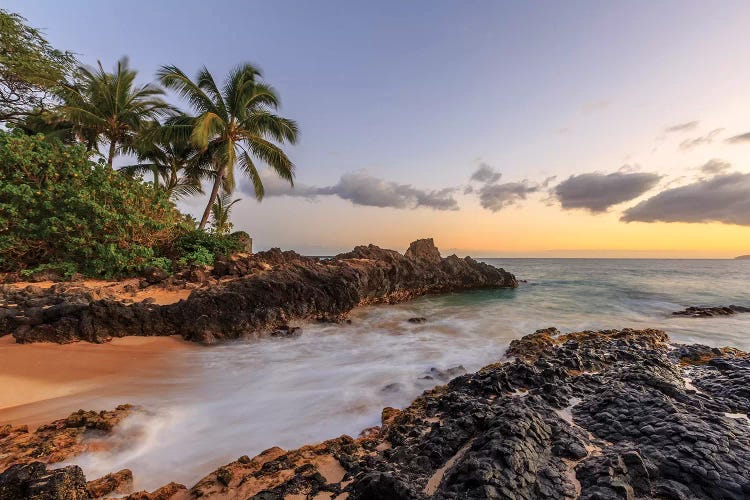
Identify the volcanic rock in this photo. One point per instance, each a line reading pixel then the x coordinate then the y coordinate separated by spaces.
pixel 708 312
pixel 117 483
pixel 261 292
pixel 33 481
pixel 589 415
pixel 60 439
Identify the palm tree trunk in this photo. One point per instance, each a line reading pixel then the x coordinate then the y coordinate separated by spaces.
pixel 112 151
pixel 212 198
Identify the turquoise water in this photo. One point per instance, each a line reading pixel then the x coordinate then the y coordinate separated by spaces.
pixel 574 294
pixel 243 397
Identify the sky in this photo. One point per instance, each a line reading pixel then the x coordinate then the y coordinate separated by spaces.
pixel 519 129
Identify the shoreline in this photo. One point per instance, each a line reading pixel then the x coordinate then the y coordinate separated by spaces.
pixel 42 381
pixel 566 415
pixel 243 295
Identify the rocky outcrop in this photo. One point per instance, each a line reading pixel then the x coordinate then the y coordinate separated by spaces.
pixel 591 415
pixel 115 483
pixel 588 415
pixel 261 293
pixel 60 439
pixel 33 481
pixel 709 312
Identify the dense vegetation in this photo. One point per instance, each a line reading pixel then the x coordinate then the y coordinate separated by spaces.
pixel 62 212
pixel 65 208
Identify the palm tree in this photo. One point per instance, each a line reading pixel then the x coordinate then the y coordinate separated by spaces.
pixel 220 211
pixel 176 165
pixel 110 106
pixel 233 125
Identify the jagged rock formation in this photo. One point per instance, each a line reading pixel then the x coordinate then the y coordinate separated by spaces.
pixel 591 415
pixel 584 415
pixel 60 439
pixel 33 481
pixel 260 293
pixel 709 312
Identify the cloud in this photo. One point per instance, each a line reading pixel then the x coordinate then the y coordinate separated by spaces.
pixel 739 138
pixel 495 197
pixel 699 141
pixel 715 166
pixel 682 127
pixel 363 189
pixel 724 198
pixel 486 174
pixel 597 192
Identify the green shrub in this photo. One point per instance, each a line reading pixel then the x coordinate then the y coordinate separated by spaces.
pixel 202 248
pixel 63 269
pixel 56 205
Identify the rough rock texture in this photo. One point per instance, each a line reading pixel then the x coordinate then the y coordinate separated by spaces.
pixel 34 482
pixel 260 293
pixel 115 483
pixel 592 415
pixel 171 491
pixel 708 312
pixel 60 439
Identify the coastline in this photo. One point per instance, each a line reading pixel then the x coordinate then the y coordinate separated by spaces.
pixel 592 414
pixel 42 382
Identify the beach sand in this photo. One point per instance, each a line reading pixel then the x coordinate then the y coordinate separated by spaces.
pixel 43 382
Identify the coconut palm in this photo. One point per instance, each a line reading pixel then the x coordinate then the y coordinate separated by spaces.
pixel 177 167
pixel 235 125
pixel 220 212
pixel 110 106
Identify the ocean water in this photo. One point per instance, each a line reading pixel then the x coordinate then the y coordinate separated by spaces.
pixel 245 396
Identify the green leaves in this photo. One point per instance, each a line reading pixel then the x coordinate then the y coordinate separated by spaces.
pixel 235 124
pixel 111 107
pixel 59 208
pixel 30 68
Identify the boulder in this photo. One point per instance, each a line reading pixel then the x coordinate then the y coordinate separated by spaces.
pixel 34 482
pixel 115 483
pixel 425 250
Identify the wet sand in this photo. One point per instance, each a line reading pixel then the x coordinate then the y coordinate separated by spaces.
pixel 42 382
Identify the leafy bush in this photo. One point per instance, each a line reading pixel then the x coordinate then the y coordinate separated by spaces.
pixel 199 247
pixel 58 207
pixel 62 269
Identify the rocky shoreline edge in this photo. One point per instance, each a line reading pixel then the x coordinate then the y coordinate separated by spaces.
pixel 244 295
pixel 593 415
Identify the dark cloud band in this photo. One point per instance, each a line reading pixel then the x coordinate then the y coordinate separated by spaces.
pixel 723 198
pixel 597 192
pixel 363 189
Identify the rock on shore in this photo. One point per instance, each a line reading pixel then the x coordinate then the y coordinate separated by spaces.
pixel 592 415
pixel 710 312
pixel 258 294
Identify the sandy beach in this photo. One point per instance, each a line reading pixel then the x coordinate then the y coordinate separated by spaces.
pixel 41 382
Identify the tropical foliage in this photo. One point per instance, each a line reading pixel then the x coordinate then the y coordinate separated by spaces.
pixel 220 212
pixel 111 107
pixel 31 70
pixel 175 165
pixel 63 211
pixel 57 207
pixel 235 125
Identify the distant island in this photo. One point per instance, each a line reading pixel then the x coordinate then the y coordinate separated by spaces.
pixel 742 257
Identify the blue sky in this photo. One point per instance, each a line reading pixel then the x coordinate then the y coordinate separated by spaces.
pixel 421 93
